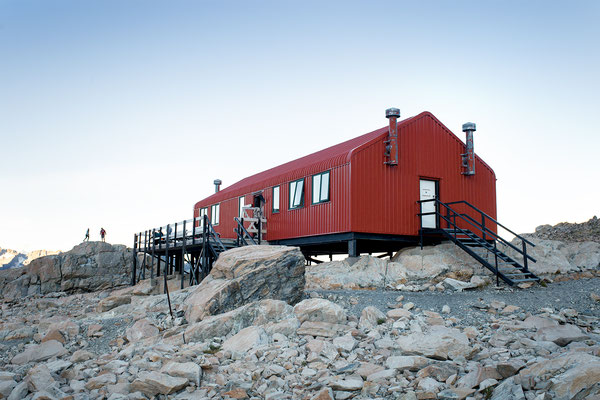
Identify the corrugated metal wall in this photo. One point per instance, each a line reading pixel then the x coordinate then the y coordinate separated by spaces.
pixel 330 217
pixel 366 195
pixel 384 198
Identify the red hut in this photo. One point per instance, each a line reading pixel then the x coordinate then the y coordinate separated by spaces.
pixel 362 195
pixel 408 183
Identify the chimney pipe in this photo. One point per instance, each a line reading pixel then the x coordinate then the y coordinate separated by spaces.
pixel 217 183
pixel 391 144
pixel 468 157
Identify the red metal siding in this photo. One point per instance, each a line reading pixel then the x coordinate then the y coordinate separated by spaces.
pixel 330 217
pixel 384 198
pixel 365 195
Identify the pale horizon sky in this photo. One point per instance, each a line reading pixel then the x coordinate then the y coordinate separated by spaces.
pixel 120 114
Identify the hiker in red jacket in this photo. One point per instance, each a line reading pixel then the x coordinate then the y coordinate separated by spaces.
pixel 102 234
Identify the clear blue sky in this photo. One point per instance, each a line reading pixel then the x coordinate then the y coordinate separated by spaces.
pixel 121 113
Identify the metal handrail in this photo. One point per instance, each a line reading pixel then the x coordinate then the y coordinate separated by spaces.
pixel 213 234
pixel 498 237
pixel 490 218
pixel 473 223
pixel 240 231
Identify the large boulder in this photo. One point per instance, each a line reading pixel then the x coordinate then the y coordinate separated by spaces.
pixel 557 257
pixel 366 272
pixel 246 274
pixel 89 266
pixel 93 266
pixel 411 264
pixel 436 261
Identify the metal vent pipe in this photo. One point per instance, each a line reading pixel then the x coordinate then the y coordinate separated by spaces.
pixel 391 144
pixel 217 183
pixel 469 155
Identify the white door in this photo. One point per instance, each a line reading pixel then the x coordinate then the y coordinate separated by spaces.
pixel 428 192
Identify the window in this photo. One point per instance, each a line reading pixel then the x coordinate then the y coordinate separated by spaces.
pixel 320 188
pixel 276 199
pixel 202 212
pixel 214 216
pixel 241 207
pixel 297 194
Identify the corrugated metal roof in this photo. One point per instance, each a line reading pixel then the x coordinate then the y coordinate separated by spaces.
pixel 322 160
pixel 330 157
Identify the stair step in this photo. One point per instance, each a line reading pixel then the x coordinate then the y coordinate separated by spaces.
pixel 525 280
pixel 509 269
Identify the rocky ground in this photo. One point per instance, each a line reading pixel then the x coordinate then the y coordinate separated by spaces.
pixel 588 231
pixel 249 331
pixel 89 266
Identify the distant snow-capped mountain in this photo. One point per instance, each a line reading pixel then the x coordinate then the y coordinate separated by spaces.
pixel 15 259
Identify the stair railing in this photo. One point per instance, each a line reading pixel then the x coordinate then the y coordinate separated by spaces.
pixel 243 237
pixel 452 214
pixel 212 234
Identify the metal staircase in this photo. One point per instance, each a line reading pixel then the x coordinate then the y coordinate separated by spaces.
pixel 455 221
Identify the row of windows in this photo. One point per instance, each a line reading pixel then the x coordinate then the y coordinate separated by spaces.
pixel 320 194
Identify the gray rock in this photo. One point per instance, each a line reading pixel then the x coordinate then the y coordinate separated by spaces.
pixel 141 329
pixel 247 274
pixel 320 310
pixel 100 381
pixel 41 352
pixel 112 302
pixel 19 392
pixel 457 285
pixel 349 383
pixel 246 339
pixel 189 370
pixel 577 382
pixel 268 313
pixel 508 390
pixel 89 266
pixel 371 317
pixel 153 383
pixel 411 363
pixel 39 378
pixel 366 272
pixel 439 343
pixel 562 335
pixel 6 388
pixel 345 343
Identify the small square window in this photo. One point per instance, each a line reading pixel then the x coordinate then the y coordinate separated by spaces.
pixel 241 205
pixel 320 188
pixel 276 199
pixel 215 212
pixel 297 194
pixel 201 213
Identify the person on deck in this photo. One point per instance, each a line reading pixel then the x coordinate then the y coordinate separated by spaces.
pixel 102 234
pixel 87 235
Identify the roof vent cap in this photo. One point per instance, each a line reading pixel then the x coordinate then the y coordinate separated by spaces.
pixel 469 126
pixel 217 183
pixel 392 112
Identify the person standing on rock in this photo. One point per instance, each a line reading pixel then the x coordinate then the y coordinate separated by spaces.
pixel 87 235
pixel 102 234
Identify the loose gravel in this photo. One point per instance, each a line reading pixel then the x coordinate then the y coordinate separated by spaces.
pixel 463 305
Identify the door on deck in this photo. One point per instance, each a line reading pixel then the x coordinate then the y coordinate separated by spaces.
pixel 428 190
